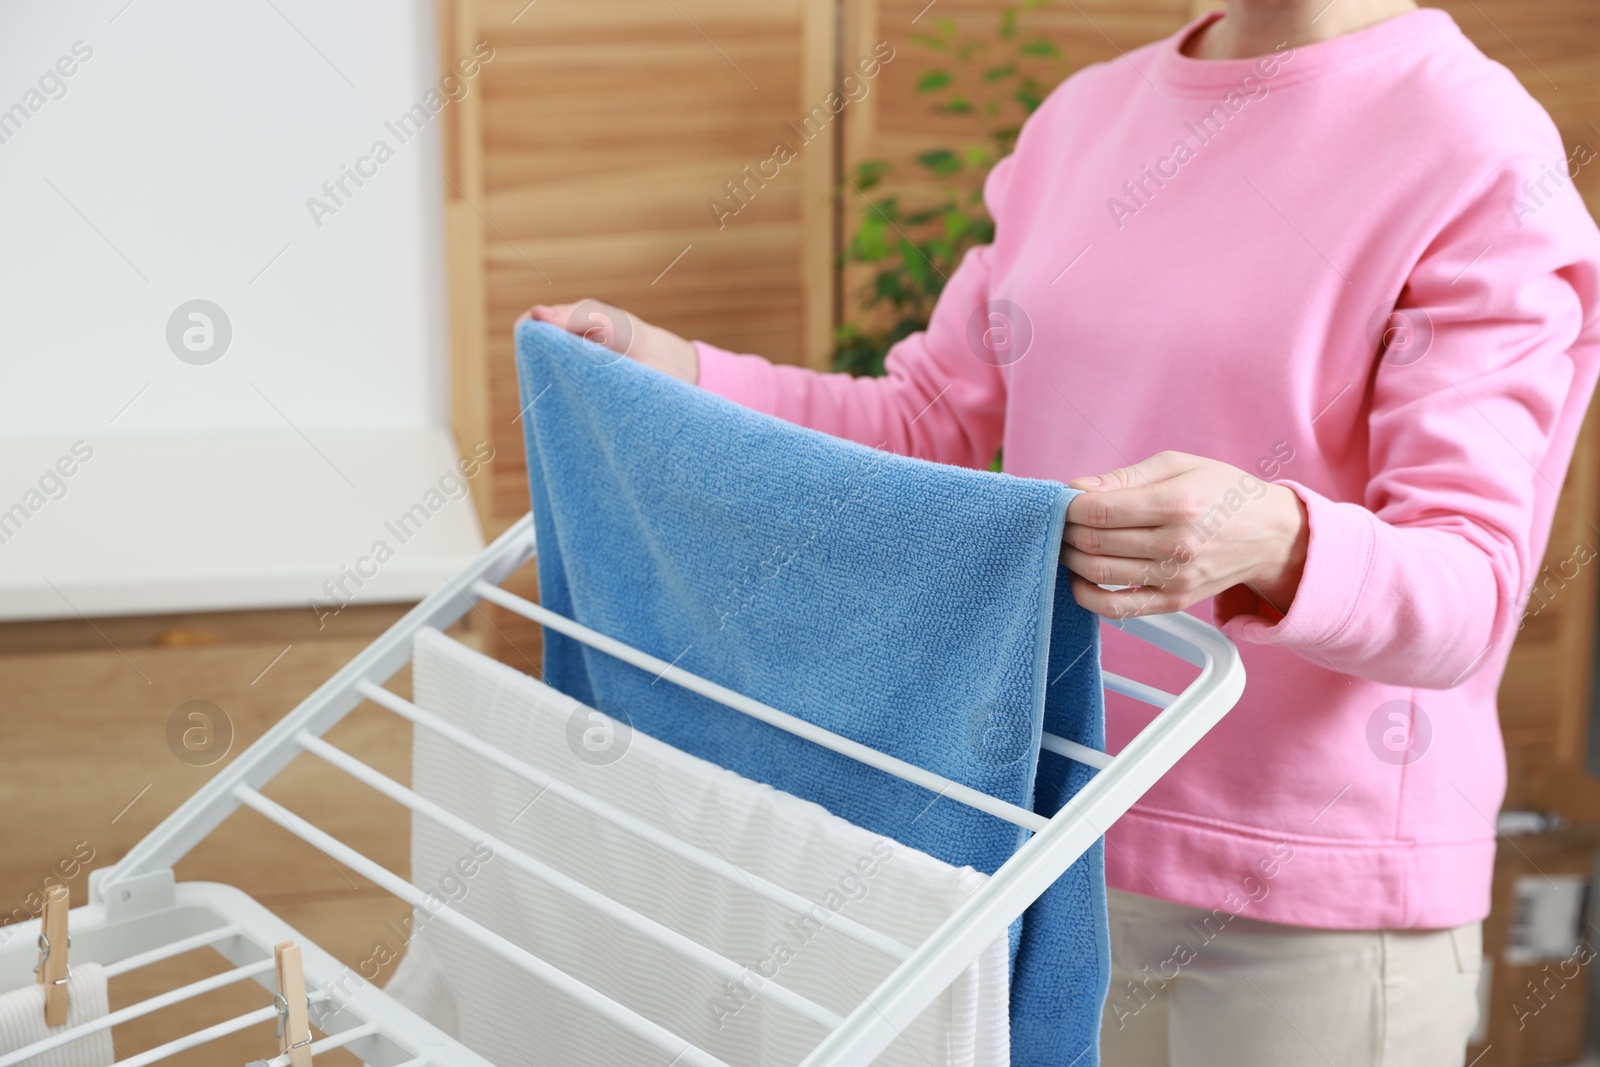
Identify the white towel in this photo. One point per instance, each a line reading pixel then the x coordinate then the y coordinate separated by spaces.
pixel 22 1021
pixel 514 1019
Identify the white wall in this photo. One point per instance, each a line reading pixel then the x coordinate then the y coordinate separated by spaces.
pixel 176 166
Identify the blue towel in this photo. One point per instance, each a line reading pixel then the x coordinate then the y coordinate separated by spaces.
pixel 914 607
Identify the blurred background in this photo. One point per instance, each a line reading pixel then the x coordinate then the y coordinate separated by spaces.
pixel 259 272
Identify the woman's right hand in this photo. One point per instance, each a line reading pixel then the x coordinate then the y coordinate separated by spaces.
pixel 625 333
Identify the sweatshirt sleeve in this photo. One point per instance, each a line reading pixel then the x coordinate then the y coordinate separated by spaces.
pixel 1468 445
pixel 939 399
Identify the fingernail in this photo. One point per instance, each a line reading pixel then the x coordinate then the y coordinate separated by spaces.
pixel 1086 483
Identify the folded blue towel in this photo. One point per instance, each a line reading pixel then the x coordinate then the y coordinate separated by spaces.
pixel 914 607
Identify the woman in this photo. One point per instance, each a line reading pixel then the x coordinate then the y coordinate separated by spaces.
pixel 1304 299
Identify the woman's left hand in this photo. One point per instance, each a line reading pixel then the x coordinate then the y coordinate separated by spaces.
pixel 1177 529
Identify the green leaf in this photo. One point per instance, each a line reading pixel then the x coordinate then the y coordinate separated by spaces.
pixel 946 28
pixel 1008 23
pixel 872 239
pixel 859 352
pixel 941 161
pixel 1029 99
pixel 906 327
pixel 870 173
pixel 932 80
pixel 916 263
pixel 994 74
pixel 956 105
pixel 928 40
pixel 1040 46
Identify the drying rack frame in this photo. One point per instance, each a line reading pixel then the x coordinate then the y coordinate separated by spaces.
pixel 139 914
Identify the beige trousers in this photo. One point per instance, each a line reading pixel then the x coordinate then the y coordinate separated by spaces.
pixel 1193 988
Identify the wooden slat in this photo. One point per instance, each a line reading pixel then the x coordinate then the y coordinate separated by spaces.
pixel 818 163
pixel 463 169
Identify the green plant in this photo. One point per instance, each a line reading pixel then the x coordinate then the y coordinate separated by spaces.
pixel 912 250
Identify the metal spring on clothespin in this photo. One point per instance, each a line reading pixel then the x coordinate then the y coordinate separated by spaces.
pixel 52 970
pixel 292 1005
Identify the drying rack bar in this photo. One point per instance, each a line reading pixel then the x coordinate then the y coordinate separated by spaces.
pixel 233 1026
pixel 331 1042
pixel 1149 694
pixel 175 948
pixel 201 1037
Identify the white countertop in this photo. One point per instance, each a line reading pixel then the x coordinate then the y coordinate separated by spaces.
pixel 260 520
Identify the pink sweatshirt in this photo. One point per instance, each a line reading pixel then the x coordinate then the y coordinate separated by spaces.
pixel 1203 256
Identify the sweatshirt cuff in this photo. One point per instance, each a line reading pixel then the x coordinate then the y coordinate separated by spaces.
pixel 1339 553
pixel 745 380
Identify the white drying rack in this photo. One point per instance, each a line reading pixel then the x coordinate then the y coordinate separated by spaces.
pixel 138 914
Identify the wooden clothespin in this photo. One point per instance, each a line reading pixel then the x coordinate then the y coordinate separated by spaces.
pixel 294 1031
pixel 52 969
